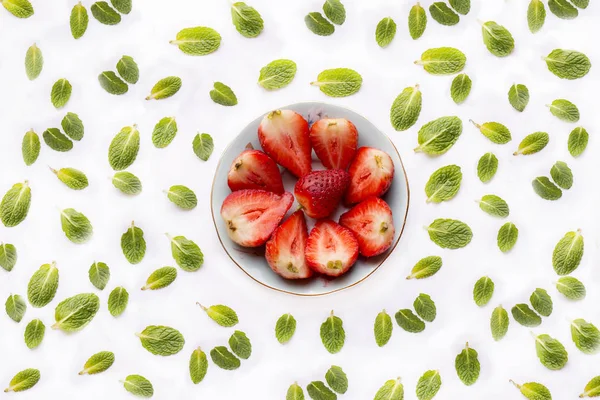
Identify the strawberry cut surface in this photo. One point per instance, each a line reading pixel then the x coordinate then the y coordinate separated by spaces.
pixel 334 141
pixel 253 169
pixel 371 173
pixel 283 135
pixel 372 223
pixel 331 249
pixel 252 215
pixel 320 192
pixel 285 250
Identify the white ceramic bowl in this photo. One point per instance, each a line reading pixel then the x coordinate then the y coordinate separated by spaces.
pixel 252 261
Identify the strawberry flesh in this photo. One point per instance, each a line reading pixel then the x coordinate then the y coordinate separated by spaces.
pixel 283 135
pixel 335 141
pixel 371 173
pixel 320 192
pixel 252 215
pixel 285 250
pixel 372 223
pixel 331 249
pixel 253 169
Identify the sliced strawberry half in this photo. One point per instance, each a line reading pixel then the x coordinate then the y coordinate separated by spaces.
pixel 285 250
pixel 372 223
pixel 335 141
pixel 320 192
pixel 253 169
pixel 252 215
pixel 331 249
pixel 283 135
pixel 371 173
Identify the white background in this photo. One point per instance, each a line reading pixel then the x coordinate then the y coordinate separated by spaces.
pixel 145 35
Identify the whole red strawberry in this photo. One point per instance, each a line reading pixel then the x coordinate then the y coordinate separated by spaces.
pixel 285 250
pixel 253 169
pixel 335 141
pixel 331 249
pixel 371 173
pixel 320 192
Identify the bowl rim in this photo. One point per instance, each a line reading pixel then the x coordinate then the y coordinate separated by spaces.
pixel 389 252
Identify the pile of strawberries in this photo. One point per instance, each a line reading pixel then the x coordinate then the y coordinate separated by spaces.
pixel 355 176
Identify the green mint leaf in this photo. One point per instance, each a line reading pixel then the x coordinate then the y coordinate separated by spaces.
pixel 337 380
pixel 57 140
pixel 494 131
pixel 585 336
pixel 562 9
pixel 494 206
pixel 562 175
pixel 443 184
pixel 581 3
pixel 128 69
pixel 460 88
pixel 294 392
pixel 383 328
pixel 317 390
pixel 34 62
pixel 161 278
pixel 198 365
pixel 240 345
pixel 98 362
pixel 578 140
pixel 428 385
pixel 18 8
pixel 15 204
pixel 133 244
pixel 461 6
pixel 533 390
pixel 568 253
pixel 164 132
pixel 499 323
pixel 425 307
pixel 438 136
pixel 571 288
pixel 318 25
pixel 406 108
pixel 117 301
pixel 15 307
pixel 497 39
pixel 426 267
pixel 544 188
pixel 507 237
pixel 73 126
pixel 536 15
pixel 110 82
pixel 223 95
pixel 61 93
pixel 246 19
pixel 385 32
pixel 122 6
pixel 74 313
pixel 487 167
pixel 99 274
pixel 34 333
pixel 27 378
pixel 224 359
pixel 197 41
pixel 221 314
pixel 79 20
pixel 525 316
pixel 417 21
pixel 408 321
pixel 564 110
pixel 183 197
pixel 43 285
pixel 391 390
pixel 127 183
pixel 73 178
pixel 30 147
pixel 592 389
pixel 483 291
pixel 285 328
pixel 518 96
pixel 541 302
pixel 442 60
pixel 450 233
pixel 467 366
pixel 203 146
pixel 338 82
pixel 333 335
pixel 335 11
pixel 533 143
pixel 161 340
pixel 124 147
pixel 277 74
pixel 551 352
pixel 138 385
pixel 8 256
pixel 165 88
pixel 186 253
pixel 443 14
pixel 568 64
pixel 76 226
pixel 105 14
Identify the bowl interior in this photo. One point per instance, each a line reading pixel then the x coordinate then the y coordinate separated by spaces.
pixel 252 261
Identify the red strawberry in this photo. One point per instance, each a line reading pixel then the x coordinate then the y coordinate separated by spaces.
pixel 252 215
pixel 331 249
pixel 253 169
pixel 285 250
pixel 371 173
pixel 283 135
pixel 335 141
pixel 320 192
pixel 372 223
